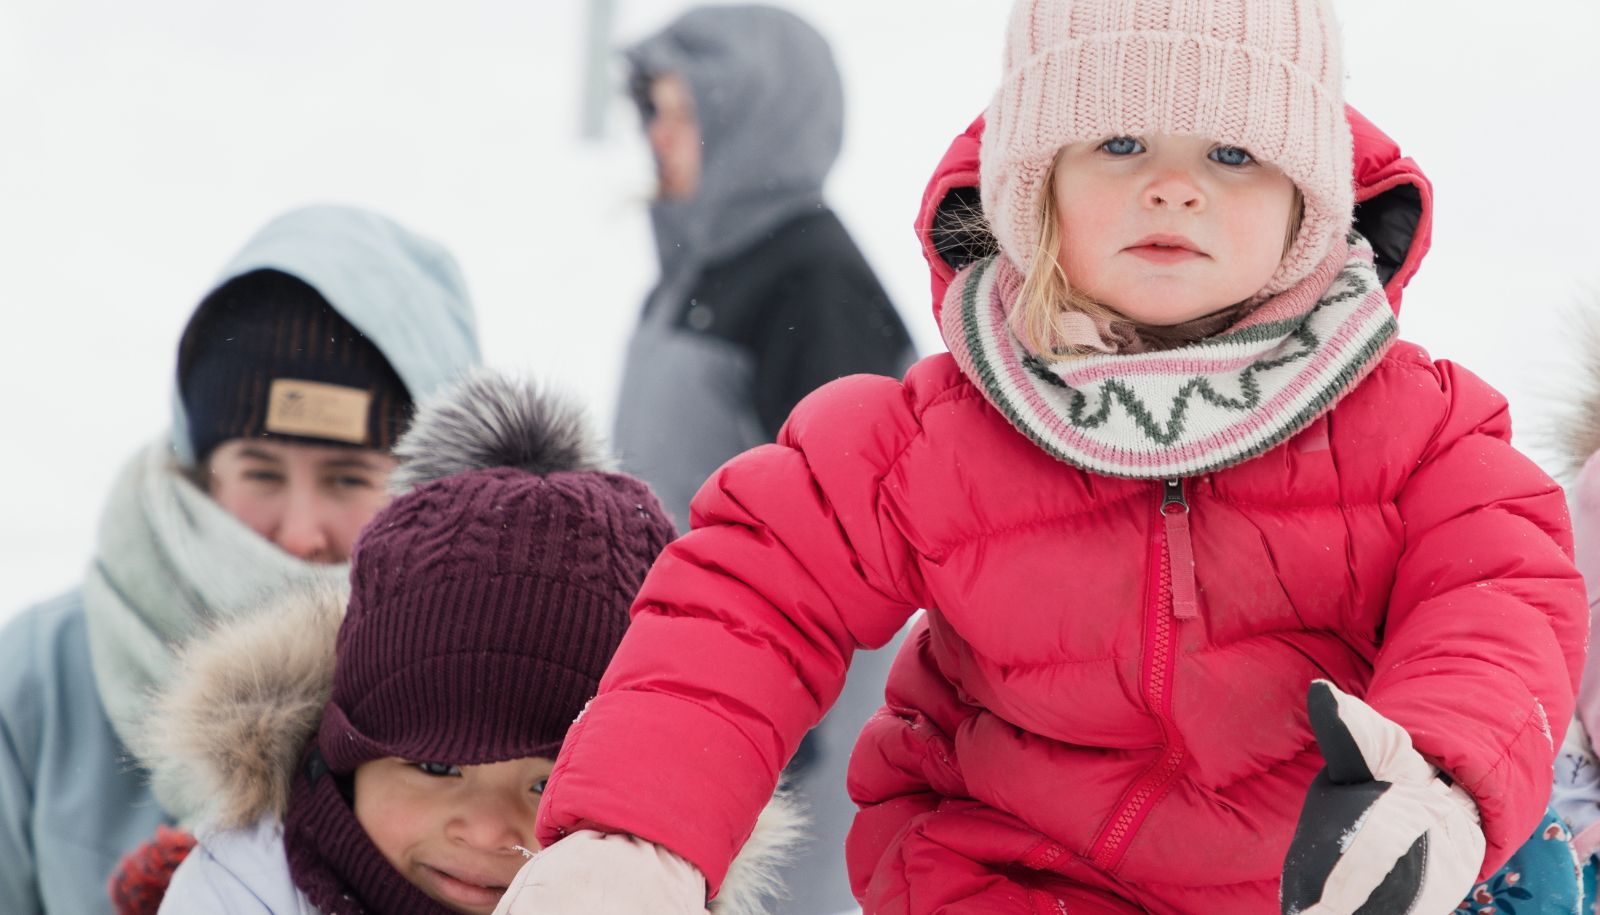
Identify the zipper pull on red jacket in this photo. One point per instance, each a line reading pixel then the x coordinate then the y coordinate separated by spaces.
pixel 1180 551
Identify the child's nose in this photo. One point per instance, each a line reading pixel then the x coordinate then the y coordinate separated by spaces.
pixel 1174 190
pixel 492 824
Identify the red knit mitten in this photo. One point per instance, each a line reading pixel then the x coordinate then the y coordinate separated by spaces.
pixel 140 880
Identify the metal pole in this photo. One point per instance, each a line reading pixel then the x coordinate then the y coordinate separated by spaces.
pixel 597 89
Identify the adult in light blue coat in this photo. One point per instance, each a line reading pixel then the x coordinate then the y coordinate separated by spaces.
pixel 276 456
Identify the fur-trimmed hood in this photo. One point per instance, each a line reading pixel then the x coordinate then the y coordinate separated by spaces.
pixel 222 739
pixel 1576 431
pixel 226 734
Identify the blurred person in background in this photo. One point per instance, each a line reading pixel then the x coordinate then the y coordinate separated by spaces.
pixel 763 297
pixel 295 376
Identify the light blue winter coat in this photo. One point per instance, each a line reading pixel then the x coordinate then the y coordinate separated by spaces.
pixel 72 801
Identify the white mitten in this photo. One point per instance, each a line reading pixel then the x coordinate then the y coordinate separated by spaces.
pixel 1381 832
pixel 592 873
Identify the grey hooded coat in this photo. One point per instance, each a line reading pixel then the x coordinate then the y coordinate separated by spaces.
pixel 763 297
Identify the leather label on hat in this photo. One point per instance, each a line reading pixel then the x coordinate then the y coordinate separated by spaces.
pixel 318 410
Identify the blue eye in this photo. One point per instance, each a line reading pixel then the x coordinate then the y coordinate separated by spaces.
pixel 1231 155
pixel 1122 146
pixel 438 770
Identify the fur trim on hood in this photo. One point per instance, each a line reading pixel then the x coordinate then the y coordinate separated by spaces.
pixel 756 874
pixel 223 738
pixel 1576 432
pixel 490 420
pixel 246 697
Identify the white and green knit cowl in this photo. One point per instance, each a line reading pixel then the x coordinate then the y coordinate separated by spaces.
pixel 1185 411
pixel 171 562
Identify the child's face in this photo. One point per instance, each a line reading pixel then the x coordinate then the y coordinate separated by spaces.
pixel 1165 229
pixel 450 830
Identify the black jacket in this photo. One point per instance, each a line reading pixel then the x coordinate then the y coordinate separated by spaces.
pixel 807 308
pixel 718 372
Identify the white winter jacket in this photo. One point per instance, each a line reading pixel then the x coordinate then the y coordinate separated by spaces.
pixel 238 871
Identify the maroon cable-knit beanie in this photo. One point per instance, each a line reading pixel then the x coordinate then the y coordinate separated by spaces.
pixel 486 601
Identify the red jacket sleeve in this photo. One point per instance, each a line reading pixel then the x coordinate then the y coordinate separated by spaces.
pixel 1484 638
pixel 742 633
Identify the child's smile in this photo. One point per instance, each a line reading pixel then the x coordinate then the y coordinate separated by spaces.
pixel 453 831
pixel 461 886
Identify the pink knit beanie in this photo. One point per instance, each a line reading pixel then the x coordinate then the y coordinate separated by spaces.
pixel 1263 75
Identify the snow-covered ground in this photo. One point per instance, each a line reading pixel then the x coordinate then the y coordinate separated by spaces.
pixel 140 143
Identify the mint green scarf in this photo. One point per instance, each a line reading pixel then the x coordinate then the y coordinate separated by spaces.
pixel 170 562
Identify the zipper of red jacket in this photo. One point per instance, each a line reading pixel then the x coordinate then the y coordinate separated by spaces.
pixel 1171 600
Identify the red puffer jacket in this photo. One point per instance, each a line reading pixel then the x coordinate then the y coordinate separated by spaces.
pixel 1051 726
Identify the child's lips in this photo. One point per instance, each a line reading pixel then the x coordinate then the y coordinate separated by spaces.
pixel 1165 249
pixel 1162 254
pixel 465 886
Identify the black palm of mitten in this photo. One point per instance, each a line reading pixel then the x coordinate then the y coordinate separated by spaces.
pixel 1381 832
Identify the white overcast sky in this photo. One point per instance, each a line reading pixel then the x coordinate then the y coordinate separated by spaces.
pixel 140 143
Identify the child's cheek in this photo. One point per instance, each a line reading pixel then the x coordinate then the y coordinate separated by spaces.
pixel 1091 229
pixel 1102 211
pixel 389 816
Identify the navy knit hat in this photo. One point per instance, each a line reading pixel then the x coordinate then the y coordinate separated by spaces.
pixel 265 355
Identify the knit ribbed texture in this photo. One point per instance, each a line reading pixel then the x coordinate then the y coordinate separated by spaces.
pixel 484 608
pixel 485 602
pixel 1188 410
pixel 267 325
pixel 1263 75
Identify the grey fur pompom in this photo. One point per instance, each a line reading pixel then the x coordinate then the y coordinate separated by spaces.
pixel 490 420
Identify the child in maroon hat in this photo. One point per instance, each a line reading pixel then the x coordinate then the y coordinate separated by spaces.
pixel 390 757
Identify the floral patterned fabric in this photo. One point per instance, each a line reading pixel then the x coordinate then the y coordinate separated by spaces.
pixel 1588 876
pixel 1542 878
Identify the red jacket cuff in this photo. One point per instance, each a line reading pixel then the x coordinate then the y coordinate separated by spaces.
pixel 662 768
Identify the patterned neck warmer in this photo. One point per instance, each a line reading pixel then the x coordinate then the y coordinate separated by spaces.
pixel 1188 410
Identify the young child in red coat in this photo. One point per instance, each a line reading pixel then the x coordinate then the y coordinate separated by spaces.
pixel 1175 475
